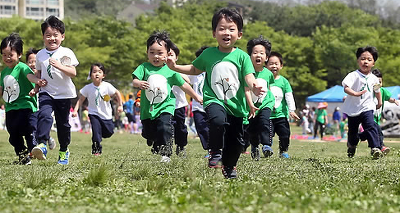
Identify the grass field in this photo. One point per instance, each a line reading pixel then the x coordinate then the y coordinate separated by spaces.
pixel 127 178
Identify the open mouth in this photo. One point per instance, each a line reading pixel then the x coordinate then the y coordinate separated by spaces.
pixel 226 39
pixel 258 60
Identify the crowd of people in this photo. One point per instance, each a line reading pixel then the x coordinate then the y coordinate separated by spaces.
pixel 239 98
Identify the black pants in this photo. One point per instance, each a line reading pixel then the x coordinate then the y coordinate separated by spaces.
pixel 369 125
pixel 101 128
pixel 281 127
pixel 160 131
pixel 226 133
pixel 260 128
pixel 61 108
pixel 180 129
pixel 200 122
pixel 19 126
pixel 321 127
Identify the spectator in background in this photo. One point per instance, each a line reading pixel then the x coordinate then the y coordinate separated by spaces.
pixel 336 121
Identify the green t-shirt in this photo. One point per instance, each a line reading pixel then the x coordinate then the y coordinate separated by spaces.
pixel 321 113
pixel 225 79
pixel 341 126
pixel 279 89
pixel 385 97
pixel 264 78
pixel 16 88
pixel 158 97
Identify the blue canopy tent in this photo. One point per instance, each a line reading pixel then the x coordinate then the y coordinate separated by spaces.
pixel 395 90
pixel 333 94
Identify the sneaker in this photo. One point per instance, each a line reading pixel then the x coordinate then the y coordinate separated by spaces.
pixel 23 158
pixel 180 151
pixel 52 143
pixel 255 153
pixel 94 149
pixel 165 159
pixel 267 151
pixel 63 157
pixel 376 153
pixel 229 172
pixel 351 151
pixel 40 151
pixel 284 155
pixel 214 161
pixel 385 150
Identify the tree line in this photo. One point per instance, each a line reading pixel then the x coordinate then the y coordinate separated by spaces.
pixel 318 52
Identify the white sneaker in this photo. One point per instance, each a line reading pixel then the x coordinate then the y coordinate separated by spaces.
pixel 165 159
pixel 52 143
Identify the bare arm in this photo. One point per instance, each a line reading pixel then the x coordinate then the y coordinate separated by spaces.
pixel 378 96
pixel 184 69
pixel 66 69
pixel 140 84
pixel 249 101
pixel 77 105
pixel 119 99
pixel 392 100
pixel 188 89
pixel 252 84
pixel 351 92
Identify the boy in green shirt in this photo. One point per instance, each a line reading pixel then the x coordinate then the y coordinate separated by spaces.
pixel 17 82
pixel 228 70
pixel 284 105
pixel 157 104
pixel 386 96
pixel 260 106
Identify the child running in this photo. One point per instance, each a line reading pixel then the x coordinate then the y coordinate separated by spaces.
pixel 228 69
pixel 99 94
pixel 260 106
pixel 284 107
pixel 157 106
pixel 359 104
pixel 56 64
pixel 17 82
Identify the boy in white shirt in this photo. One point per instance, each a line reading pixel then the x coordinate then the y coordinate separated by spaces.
pixel 359 104
pixel 57 65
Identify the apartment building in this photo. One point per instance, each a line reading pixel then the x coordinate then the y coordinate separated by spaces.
pixel 32 9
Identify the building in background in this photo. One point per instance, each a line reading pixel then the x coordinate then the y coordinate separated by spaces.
pixel 32 9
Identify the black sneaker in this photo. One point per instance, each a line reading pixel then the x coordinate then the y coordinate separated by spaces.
pixel 229 172
pixel 351 151
pixel 180 151
pixel 255 153
pixel 214 161
pixel 23 158
pixel 94 149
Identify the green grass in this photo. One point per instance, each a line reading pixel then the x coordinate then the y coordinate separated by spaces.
pixel 127 178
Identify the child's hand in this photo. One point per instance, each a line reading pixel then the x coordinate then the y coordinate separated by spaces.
pixel 257 90
pixel 144 85
pixel 74 113
pixel 358 94
pixel 120 109
pixel 378 106
pixel 42 82
pixel 170 61
pixel 199 99
pixel 253 111
pixel 294 115
pixel 32 92
pixel 396 102
pixel 53 62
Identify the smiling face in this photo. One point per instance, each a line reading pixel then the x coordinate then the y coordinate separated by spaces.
pixel 258 57
pixel 157 54
pixel 31 61
pixel 365 62
pixel 52 38
pixel 226 34
pixel 10 57
pixel 274 65
pixel 97 75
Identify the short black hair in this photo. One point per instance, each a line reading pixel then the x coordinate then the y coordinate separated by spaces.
pixel 200 51
pixel 159 36
pixel 377 73
pixel 100 66
pixel 30 52
pixel 370 49
pixel 14 41
pixel 228 14
pixel 276 54
pixel 259 41
pixel 175 49
pixel 54 23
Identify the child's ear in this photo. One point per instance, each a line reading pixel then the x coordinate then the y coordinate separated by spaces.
pixel 240 35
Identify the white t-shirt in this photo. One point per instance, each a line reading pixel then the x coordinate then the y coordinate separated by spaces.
pixel 353 106
pixel 59 85
pixel 98 104
pixel 198 83
pixel 180 96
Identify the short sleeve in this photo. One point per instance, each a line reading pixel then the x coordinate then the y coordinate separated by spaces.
pixel 348 80
pixel 111 89
pixel 139 72
pixel 177 80
pixel 84 91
